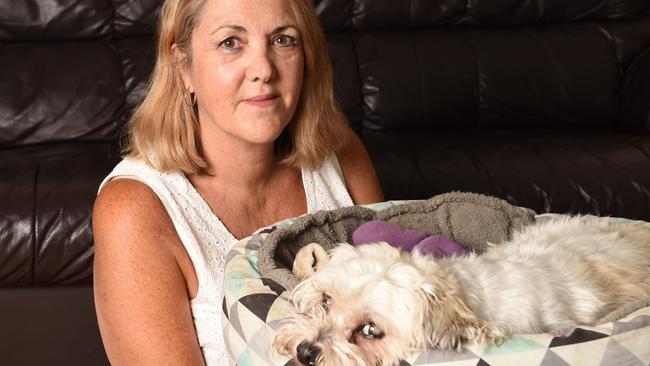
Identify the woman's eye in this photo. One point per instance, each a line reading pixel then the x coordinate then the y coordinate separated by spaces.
pixel 283 41
pixel 230 44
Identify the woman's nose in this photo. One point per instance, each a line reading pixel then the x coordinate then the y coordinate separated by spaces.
pixel 261 66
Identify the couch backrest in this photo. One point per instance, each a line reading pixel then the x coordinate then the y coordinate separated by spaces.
pixel 421 64
pixel 74 70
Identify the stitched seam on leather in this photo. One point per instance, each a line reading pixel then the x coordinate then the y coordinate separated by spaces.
pixel 602 27
pixel 35 226
pixel 113 33
pixel 360 86
pixel 124 115
pixel 477 83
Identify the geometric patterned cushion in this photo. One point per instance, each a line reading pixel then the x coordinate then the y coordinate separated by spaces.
pixel 254 307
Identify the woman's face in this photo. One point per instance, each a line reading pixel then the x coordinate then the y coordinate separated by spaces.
pixel 246 69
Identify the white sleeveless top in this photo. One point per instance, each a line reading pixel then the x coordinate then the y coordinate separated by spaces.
pixel 207 240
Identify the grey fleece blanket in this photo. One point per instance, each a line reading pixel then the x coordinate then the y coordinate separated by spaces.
pixel 471 220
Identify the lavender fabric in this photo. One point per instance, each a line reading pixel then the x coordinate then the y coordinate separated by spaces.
pixel 439 246
pixel 408 240
pixel 378 230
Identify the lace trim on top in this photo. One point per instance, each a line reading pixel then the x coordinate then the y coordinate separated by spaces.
pixel 325 188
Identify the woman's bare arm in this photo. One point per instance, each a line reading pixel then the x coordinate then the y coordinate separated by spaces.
pixel 359 173
pixel 141 291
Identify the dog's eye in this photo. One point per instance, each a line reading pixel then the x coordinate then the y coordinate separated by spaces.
pixel 326 302
pixel 370 331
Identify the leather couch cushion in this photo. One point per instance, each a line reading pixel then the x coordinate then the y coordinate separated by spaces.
pixel 47 194
pixel 383 14
pixel 528 77
pixel 558 170
pixel 636 102
pixel 69 19
pixel 70 91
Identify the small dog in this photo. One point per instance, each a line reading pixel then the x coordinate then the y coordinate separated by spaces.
pixel 375 305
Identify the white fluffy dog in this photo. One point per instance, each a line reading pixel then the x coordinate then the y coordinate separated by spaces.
pixel 374 304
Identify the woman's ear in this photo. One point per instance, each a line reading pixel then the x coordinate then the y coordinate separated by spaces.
pixel 181 63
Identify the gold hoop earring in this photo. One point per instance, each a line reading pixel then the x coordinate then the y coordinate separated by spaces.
pixel 190 98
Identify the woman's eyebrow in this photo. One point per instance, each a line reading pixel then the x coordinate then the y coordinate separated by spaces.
pixel 283 28
pixel 236 28
pixel 240 29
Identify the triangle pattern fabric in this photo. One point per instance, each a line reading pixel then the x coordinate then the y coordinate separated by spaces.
pixel 439 355
pixel 280 309
pixel 515 344
pixel 636 342
pixel 260 343
pixel 636 323
pixel 274 286
pixel 583 354
pixel 616 354
pixel 252 246
pixel 268 230
pixel 245 358
pixel 235 323
pixel 234 340
pixel 224 308
pixel 259 304
pixel 249 323
pixel 533 357
pixel 551 359
pixel 579 335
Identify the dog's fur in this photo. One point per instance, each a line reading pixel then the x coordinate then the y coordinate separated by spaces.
pixel 549 278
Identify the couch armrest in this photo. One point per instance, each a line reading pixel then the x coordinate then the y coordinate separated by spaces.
pixel 50 326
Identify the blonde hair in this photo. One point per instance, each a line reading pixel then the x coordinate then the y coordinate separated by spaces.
pixel 164 129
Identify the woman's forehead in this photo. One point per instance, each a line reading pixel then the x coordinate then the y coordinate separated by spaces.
pixel 247 14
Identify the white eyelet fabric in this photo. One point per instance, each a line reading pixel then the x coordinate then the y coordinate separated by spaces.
pixel 207 240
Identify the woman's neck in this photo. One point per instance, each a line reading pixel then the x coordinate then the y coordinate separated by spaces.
pixel 239 165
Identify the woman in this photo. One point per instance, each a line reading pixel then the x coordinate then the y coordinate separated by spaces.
pixel 237 131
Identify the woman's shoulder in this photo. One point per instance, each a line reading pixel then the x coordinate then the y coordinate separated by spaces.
pixel 128 217
pixel 131 206
pixel 129 203
pixel 126 191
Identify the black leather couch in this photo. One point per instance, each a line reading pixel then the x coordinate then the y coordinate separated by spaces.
pixel 543 103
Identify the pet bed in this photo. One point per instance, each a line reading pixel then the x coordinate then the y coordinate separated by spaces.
pixel 258 276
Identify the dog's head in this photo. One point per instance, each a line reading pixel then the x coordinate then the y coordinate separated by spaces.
pixel 375 305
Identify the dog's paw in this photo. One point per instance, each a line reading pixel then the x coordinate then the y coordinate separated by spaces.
pixel 561 330
pixel 493 334
pixel 496 339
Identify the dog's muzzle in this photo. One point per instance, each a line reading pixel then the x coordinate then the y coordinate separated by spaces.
pixel 307 353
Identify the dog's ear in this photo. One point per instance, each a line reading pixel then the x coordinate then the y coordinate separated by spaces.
pixel 448 321
pixel 309 258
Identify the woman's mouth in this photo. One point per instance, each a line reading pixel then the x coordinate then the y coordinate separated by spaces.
pixel 262 101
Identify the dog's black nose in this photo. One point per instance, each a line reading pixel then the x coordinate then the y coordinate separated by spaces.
pixel 307 353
